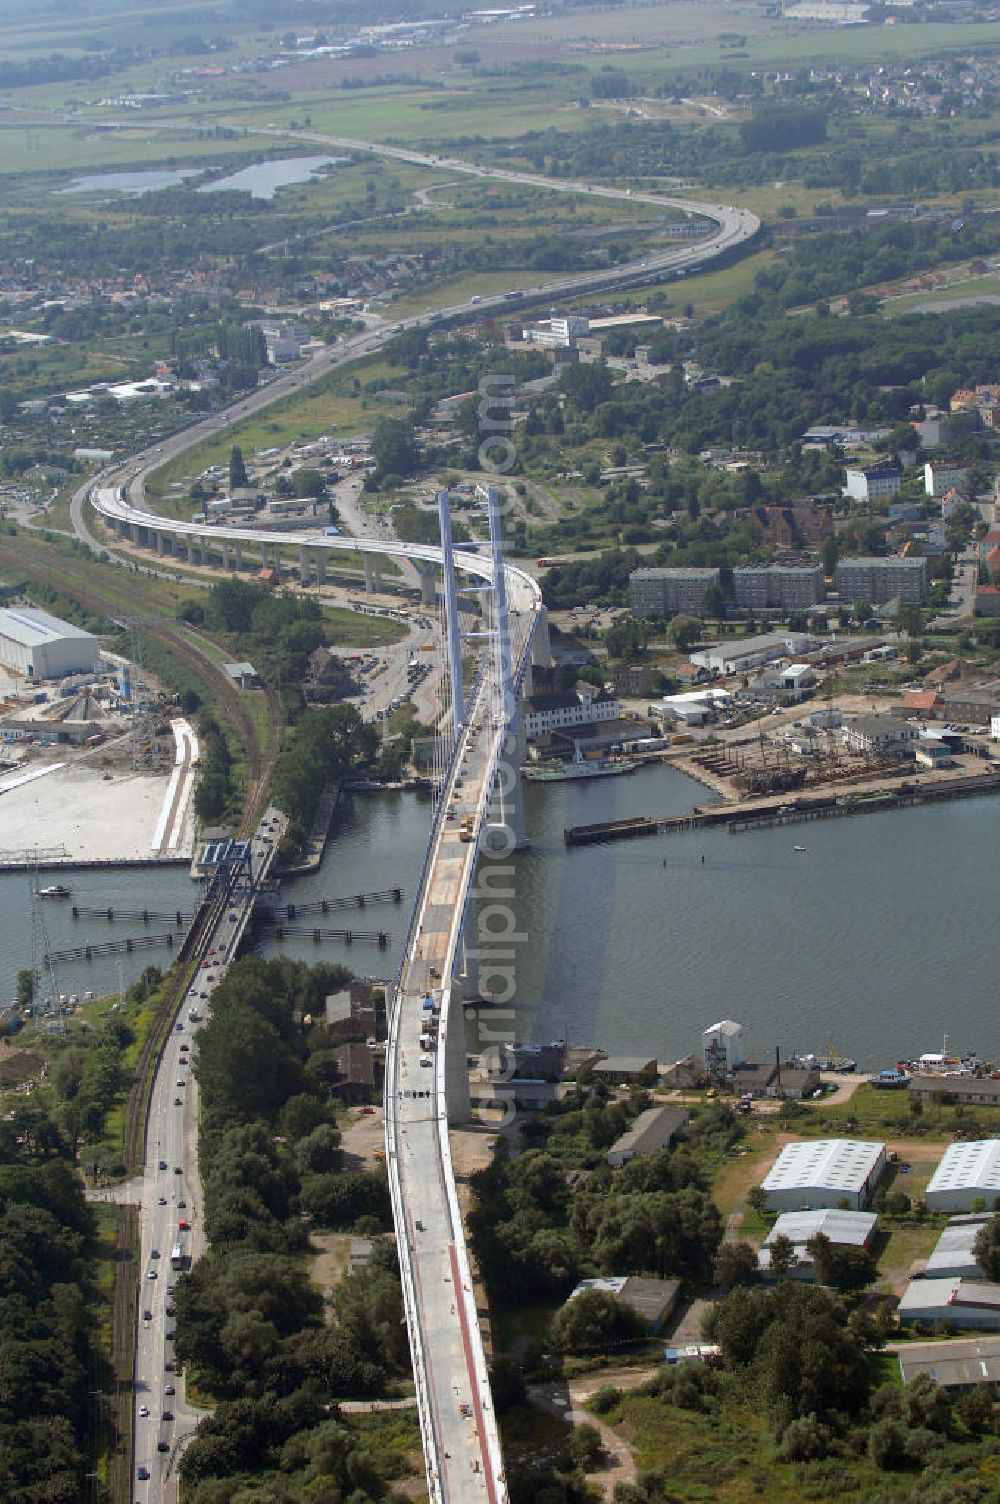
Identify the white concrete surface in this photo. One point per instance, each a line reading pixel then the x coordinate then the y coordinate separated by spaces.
pixel 94 818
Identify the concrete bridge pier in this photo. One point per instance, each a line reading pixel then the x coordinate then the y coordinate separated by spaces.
pixel 303 565
pixel 134 532
pixel 505 829
pixel 541 646
pixel 428 584
pixel 277 560
pixel 159 542
pixel 225 556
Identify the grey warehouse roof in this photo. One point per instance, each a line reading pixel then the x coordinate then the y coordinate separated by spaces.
pixel 26 625
pixel 953 1252
pixel 969 1167
pixel 837 1164
pixel 839 1226
pixel 652 1129
pixel 961 1363
pixel 933 1294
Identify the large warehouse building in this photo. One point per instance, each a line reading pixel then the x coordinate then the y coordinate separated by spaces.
pixel 969 1174
pixel 824 1172
pixel 39 646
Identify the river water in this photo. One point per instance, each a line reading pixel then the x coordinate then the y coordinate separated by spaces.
pixel 875 935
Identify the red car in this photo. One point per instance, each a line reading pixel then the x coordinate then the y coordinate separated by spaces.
pixel 184 1224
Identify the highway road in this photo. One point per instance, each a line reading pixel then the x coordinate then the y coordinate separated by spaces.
pixel 735 227
pixel 171 1209
pixel 461 1445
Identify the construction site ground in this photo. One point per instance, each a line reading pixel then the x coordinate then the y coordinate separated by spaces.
pixel 735 754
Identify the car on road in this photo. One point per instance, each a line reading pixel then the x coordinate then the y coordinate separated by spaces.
pixel 184 1225
pixel 147 1315
pixel 167 1415
pixel 163 1164
pixel 155 1253
pixel 152 1274
pixel 169 1389
pixel 143 1410
pixel 426 1060
pixel 163 1446
pixel 182 1204
pixel 142 1474
pixel 179 1081
pixel 178 1102
pixel 170 1334
pixel 162 1200
pixel 178 1170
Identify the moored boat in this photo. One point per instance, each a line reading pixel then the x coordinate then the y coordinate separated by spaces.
pixel 605 767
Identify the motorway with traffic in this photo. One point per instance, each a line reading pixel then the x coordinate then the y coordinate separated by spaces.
pixel 462 1450
pixel 171 1213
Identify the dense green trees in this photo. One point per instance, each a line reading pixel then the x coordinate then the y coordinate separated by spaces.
pixel 325 744
pixel 652 1216
pixel 804 1357
pixel 47 1351
pixel 594 1321
pixel 394 447
pixel 237 468
pixel 249 1318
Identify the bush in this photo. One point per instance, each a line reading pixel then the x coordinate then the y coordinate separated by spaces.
pixel 806 1439
pixel 605 1400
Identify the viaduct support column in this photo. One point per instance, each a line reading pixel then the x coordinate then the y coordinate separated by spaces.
pixel 451 614
pixel 133 528
pixel 369 575
pixel 159 542
pixel 277 560
pixel 225 557
pixel 303 565
pixel 541 646
pixel 428 584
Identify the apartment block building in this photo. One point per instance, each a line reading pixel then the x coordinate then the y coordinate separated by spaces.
pixel 879 580
pixel 664 592
pixel 793 587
